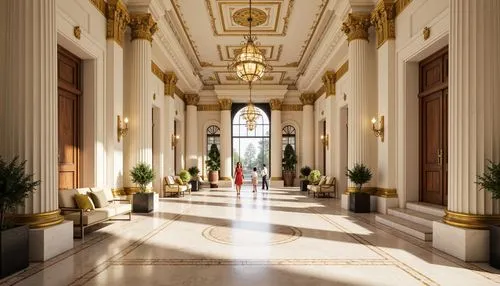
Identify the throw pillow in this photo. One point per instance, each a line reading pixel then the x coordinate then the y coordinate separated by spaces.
pixel 84 202
pixel 99 199
pixel 170 180
pixel 179 181
pixel 322 180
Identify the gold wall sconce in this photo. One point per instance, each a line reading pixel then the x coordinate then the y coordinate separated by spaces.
pixel 378 127
pixel 324 139
pixel 175 138
pixel 122 129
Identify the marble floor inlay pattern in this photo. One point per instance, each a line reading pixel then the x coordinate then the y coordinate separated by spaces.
pixel 280 237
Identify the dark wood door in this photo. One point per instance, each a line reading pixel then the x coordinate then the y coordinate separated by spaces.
pixel 68 119
pixel 434 129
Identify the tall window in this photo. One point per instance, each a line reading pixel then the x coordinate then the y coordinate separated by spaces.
pixel 288 137
pixel 213 137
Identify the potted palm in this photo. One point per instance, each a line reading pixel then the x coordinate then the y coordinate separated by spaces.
pixel 288 163
pixel 490 181
pixel 213 165
pixel 194 171
pixel 304 174
pixel 142 175
pixel 359 202
pixel 15 186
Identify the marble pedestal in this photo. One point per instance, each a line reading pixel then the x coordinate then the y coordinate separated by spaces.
pixel 470 245
pixel 48 242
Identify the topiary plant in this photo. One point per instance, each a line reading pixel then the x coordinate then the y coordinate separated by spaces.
pixel 314 177
pixel 289 158
pixel 305 171
pixel 490 180
pixel 359 175
pixel 193 171
pixel 142 175
pixel 185 176
pixel 213 162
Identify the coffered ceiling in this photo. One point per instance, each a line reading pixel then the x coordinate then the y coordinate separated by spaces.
pixel 211 32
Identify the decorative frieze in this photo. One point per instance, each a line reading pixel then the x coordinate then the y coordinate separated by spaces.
pixel 275 104
pixel 356 26
pixel 117 19
pixel 225 104
pixel 308 98
pixel 170 81
pixel 291 107
pixel 329 82
pixel 143 26
pixel 342 71
pixel 192 99
pixel 209 107
pixel 157 71
pixel 383 18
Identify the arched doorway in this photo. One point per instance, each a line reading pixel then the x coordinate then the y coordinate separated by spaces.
pixel 251 148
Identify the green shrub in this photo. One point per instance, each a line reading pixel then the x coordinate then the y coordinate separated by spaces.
pixel 213 161
pixel 359 175
pixel 305 171
pixel 194 171
pixel 185 176
pixel 490 180
pixel 314 177
pixel 142 174
pixel 289 158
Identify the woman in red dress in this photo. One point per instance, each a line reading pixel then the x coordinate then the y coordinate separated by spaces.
pixel 238 177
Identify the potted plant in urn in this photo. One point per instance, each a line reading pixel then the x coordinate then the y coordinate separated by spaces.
pixel 359 202
pixel 490 181
pixel 288 163
pixel 213 165
pixel 15 186
pixel 142 175
pixel 304 174
pixel 194 171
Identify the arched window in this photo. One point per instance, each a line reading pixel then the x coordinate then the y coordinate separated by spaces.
pixel 288 137
pixel 213 137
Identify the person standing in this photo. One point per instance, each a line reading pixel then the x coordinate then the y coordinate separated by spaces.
pixel 238 177
pixel 263 173
pixel 254 180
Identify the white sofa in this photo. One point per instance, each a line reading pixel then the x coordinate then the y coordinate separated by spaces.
pixel 82 218
pixel 327 187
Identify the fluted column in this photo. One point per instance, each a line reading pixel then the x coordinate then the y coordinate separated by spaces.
pixel 29 103
pixel 474 129
pixel 192 124
pixel 276 153
pixel 139 101
pixel 225 138
pixel 356 29
pixel 307 100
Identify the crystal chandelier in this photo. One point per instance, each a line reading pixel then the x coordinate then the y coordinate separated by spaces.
pixel 250 114
pixel 249 63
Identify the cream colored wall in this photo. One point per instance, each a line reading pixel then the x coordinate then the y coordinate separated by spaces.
pixel 205 119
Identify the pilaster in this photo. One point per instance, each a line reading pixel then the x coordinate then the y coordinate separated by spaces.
pixel 329 82
pixel 383 18
pixel 117 19
pixel 276 154
pixel 192 129
pixel 170 84
pixel 225 139
pixel 307 100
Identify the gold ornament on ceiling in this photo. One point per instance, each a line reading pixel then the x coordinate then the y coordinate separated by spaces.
pixel 241 16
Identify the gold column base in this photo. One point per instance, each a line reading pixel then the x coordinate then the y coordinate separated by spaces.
pixel 369 190
pixel 118 192
pixel 380 192
pixel 225 179
pixel 38 220
pixel 127 191
pixel 276 179
pixel 472 221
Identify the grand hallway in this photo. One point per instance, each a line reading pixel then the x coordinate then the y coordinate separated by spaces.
pixel 276 238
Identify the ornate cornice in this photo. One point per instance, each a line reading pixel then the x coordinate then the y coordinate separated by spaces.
pixel 308 98
pixel 100 5
pixel 170 80
pixel 342 71
pixel 356 26
pixel 157 71
pixel 225 104
pixel 117 19
pixel 291 107
pixel 208 107
pixel 329 82
pixel 275 104
pixel 383 18
pixel 143 26
pixel 192 99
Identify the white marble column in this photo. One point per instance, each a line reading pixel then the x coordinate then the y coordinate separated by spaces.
pixel 192 125
pixel 29 117
pixel 225 140
pixel 307 133
pixel 138 145
pixel 474 129
pixel 276 152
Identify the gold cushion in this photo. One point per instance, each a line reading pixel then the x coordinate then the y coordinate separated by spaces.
pixel 84 202
pixel 179 181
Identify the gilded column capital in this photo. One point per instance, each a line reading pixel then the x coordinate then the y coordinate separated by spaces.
pixel 329 82
pixel 383 18
pixel 308 98
pixel 225 104
pixel 117 19
pixel 356 26
pixel 143 26
pixel 170 80
pixel 276 104
pixel 192 99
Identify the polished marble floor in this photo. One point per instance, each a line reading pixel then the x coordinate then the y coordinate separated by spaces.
pixel 280 237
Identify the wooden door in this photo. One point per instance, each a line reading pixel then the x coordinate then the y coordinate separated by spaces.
pixel 68 118
pixel 434 128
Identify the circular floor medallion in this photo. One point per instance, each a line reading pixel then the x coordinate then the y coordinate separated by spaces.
pixel 251 234
pixel 240 17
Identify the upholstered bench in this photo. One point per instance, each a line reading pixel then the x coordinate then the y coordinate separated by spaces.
pixel 175 187
pixel 326 187
pixel 104 207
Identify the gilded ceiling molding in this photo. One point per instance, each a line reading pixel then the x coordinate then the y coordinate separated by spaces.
pixel 275 104
pixel 170 80
pixel 356 26
pixel 143 26
pixel 320 92
pixel 291 107
pixel 100 5
pixel 117 19
pixel 342 71
pixel 225 104
pixel 157 71
pixel 400 5
pixel 180 94
pixel 329 82
pixel 208 107
pixel 383 18
pixel 308 98
pixel 192 99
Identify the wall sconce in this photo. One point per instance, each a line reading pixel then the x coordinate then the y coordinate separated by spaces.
pixel 378 127
pixel 324 140
pixel 122 130
pixel 175 139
